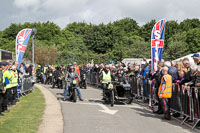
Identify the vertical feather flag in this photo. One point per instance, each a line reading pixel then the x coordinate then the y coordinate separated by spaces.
pixel 21 44
pixel 157 43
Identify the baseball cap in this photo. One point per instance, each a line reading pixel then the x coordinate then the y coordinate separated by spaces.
pixel 195 55
pixel 1 64
pixel 5 63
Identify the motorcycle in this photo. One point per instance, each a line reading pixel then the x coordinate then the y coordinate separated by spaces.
pixel 39 77
pixel 72 90
pixel 83 83
pixel 58 81
pixel 123 93
pixel 49 79
pixel 109 94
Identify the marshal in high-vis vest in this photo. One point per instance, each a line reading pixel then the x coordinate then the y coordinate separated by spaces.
pixel 106 77
pixel 167 91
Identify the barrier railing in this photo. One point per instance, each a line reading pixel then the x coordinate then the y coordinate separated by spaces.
pixel 26 85
pixel 93 78
pixel 185 99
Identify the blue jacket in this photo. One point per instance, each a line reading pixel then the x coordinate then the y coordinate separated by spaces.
pixel 144 72
pixel 173 72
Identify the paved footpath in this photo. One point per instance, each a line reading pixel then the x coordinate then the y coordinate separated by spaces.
pixel 92 116
pixel 52 117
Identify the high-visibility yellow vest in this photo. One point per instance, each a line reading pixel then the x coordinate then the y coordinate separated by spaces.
pixel 167 92
pixel 106 77
pixel 15 79
pixel 7 74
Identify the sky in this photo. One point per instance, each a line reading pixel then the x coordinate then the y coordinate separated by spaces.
pixel 63 12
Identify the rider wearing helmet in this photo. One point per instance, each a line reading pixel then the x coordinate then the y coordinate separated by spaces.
pixel 106 77
pixel 69 77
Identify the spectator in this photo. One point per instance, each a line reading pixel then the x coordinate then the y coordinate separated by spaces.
pixel 173 71
pixel 196 58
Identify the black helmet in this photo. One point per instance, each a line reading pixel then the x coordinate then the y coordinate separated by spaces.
pixel 72 67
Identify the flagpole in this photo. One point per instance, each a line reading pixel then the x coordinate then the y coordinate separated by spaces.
pixel 34 31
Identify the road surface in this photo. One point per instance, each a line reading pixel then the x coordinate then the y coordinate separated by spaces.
pixel 92 116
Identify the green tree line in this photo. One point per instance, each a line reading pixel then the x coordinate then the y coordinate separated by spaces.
pixel 82 42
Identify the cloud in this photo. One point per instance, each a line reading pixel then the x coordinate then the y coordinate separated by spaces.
pixel 63 12
pixel 26 3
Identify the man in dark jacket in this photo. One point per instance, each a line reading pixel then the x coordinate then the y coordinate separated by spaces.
pixel 1 89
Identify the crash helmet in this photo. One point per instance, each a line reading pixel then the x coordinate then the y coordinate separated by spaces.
pixel 72 68
pixel 107 66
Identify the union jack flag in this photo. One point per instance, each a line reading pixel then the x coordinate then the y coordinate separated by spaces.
pixel 157 43
pixel 21 44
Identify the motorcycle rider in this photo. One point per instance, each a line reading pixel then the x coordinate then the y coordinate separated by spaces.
pixel 105 76
pixel 49 74
pixel 122 82
pixel 69 77
pixel 39 74
pixel 57 73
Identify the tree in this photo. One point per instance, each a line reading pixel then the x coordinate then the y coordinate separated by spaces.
pixel 188 24
pixel 45 55
pixel 193 41
pixel 177 47
pixel 146 29
pixel 171 28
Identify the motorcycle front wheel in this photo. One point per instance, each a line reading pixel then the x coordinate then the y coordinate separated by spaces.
pixel 74 95
pixel 112 98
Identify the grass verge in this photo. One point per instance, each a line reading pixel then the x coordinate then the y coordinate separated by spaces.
pixel 26 116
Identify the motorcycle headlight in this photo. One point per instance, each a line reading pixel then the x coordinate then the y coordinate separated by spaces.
pixel 74 81
pixel 110 86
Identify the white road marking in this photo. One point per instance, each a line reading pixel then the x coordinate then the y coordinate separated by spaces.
pixel 107 110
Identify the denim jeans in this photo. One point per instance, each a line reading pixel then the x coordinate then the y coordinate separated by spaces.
pixel 67 89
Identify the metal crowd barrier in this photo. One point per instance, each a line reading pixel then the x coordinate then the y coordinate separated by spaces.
pixel 93 78
pixel 185 100
pixel 26 85
pixel 141 87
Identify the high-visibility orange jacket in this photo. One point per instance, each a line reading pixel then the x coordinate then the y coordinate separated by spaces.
pixel 167 91
pixel 78 71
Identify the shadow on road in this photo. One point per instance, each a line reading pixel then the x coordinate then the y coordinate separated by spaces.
pixel 149 114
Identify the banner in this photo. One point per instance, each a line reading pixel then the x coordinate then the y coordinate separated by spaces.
pixel 157 43
pixel 21 44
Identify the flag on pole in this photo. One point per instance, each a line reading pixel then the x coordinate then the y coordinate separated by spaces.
pixel 157 43
pixel 21 44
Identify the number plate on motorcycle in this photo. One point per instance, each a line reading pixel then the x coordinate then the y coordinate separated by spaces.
pixel 110 86
pixel 74 81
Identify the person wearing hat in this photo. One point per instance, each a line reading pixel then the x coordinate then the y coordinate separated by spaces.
pixel 196 58
pixel 1 88
pixel 7 80
pixel 197 82
pixel 165 92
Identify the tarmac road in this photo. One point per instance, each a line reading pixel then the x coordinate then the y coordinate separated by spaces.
pixel 92 116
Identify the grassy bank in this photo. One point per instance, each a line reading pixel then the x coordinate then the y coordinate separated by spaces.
pixel 26 116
